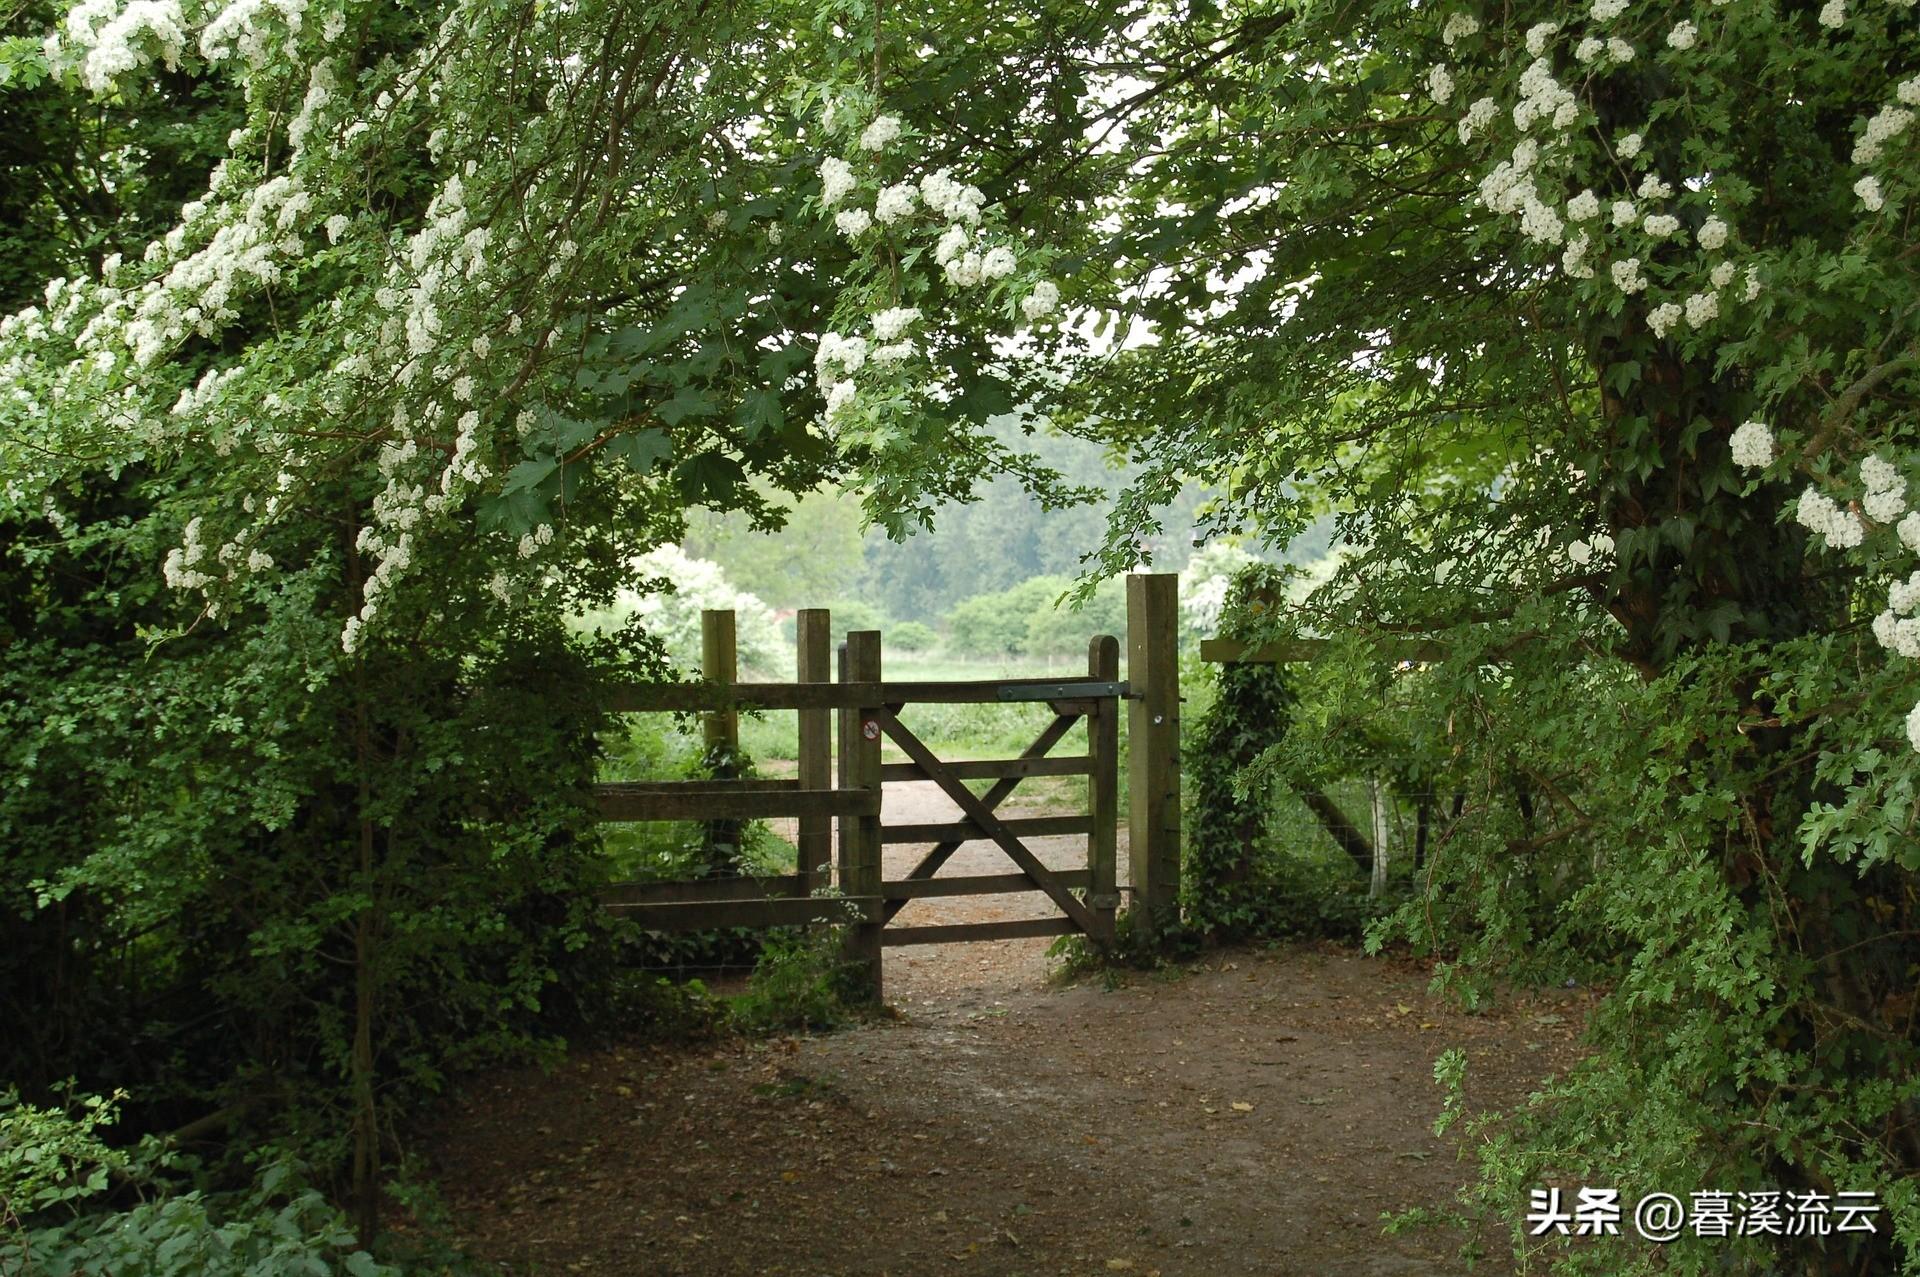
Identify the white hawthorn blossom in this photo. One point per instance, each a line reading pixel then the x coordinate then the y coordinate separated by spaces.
pixel 836 180
pixel 896 203
pixel 1478 117
pixel 888 325
pixel 952 244
pixel 1702 309
pixel 878 135
pixel 1752 445
pixel 1042 301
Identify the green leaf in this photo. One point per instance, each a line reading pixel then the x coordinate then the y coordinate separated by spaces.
pixel 760 411
pixel 528 474
pixel 985 396
pixel 688 401
pixel 642 449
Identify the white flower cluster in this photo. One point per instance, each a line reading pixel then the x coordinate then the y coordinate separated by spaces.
pixel 1510 188
pixel 836 180
pixel 896 202
pixel 1752 445
pixel 1896 628
pixel 1889 123
pixel 1542 97
pixel 1478 117
pixel 180 567
pixel 1840 528
pixel 880 134
pixel 953 200
pixel 1042 301
pixel 904 209
pixel 838 355
pixel 1574 261
pixel 1440 85
pixel 105 40
pixel 241 26
pixel 1458 27
pixel 1886 490
pixel 1626 275
pixel 531 542
pixel 890 325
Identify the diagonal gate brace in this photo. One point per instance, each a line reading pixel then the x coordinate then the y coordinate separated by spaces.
pixel 942 852
pixel 982 815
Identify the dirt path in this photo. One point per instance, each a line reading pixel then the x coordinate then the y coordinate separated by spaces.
pixel 1253 1114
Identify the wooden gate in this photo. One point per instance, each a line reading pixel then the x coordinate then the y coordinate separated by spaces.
pixel 871 712
pixel 1086 899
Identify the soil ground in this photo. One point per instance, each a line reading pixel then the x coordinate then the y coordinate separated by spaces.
pixel 1253 1113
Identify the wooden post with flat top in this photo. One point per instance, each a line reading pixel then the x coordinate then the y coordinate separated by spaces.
pixel 1153 743
pixel 813 841
pixel 860 835
pixel 720 733
pixel 1103 788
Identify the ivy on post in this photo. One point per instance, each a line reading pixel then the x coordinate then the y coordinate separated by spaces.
pixel 1153 739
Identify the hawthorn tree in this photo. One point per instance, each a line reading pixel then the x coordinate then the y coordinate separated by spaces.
pixel 465 307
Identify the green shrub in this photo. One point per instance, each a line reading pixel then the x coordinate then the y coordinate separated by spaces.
pixel 802 981
pixel 61 1216
pixel 912 636
pixel 855 614
pixel 996 625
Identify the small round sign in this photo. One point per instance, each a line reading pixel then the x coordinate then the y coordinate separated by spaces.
pixel 870 729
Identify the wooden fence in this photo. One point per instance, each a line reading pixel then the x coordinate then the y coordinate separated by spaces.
pixel 868 709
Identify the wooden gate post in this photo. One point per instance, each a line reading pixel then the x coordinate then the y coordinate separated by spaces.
pixel 1103 787
pixel 720 733
pixel 860 835
pixel 1153 742
pixel 813 841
